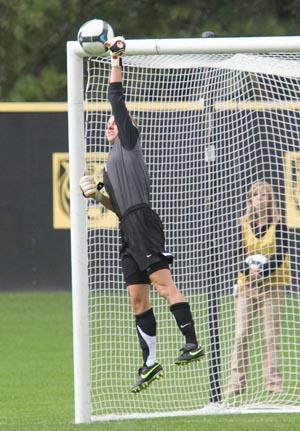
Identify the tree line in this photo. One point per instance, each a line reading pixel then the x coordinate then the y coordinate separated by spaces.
pixel 34 33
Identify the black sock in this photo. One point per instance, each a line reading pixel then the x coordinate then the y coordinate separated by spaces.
pixel 183 316
pixel 146 330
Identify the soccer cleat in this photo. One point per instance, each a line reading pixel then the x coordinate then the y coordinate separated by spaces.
pixel 189 353
pixel 146 375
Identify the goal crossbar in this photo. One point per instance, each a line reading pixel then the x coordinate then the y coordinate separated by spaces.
pixel 204 45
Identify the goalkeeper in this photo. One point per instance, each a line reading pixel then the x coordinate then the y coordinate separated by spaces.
pixel 143 257
pixel 260 287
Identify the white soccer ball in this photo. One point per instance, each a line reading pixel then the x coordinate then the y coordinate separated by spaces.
pixel 93 34
pixel 256 260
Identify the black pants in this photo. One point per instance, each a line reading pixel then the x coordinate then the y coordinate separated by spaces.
pixel 143 244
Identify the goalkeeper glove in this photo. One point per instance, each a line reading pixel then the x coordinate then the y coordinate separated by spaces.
pixel 116 47
pixel 89 187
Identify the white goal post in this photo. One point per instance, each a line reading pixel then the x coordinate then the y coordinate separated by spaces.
pixel 216 115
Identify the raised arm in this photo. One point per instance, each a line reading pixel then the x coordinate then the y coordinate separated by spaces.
pixel 127 131
pixel 116 69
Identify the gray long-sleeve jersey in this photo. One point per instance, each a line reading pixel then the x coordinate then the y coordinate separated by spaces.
pixel 126 176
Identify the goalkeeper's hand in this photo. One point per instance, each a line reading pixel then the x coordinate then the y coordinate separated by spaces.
pixel 89 187
pixel 116 47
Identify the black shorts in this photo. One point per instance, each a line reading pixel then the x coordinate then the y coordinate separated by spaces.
pixel 143 244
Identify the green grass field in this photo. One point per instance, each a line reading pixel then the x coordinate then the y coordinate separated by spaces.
pixel 37 376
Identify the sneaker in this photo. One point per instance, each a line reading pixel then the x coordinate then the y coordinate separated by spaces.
pixel 234 389
pixel 190 353
pixel 236 385
pixel 146 375
pixel 275 388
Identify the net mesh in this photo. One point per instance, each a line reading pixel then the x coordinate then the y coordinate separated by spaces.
pixel 211 126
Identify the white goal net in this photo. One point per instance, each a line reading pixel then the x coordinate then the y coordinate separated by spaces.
pixel 212 127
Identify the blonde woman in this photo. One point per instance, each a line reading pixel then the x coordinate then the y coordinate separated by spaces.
pixel 264 273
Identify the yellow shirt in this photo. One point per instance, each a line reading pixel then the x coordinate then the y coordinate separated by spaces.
pixel 265 245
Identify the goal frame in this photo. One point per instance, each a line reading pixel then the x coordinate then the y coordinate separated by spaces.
pixel 79 268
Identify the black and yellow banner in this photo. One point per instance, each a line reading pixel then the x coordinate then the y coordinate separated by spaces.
pixel 98 216
pixel 292 188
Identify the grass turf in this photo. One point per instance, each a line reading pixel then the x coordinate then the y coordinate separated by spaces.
pixel 37 382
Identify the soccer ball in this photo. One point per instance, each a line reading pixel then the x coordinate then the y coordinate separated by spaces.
pixel 93 34
pixel 256 260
